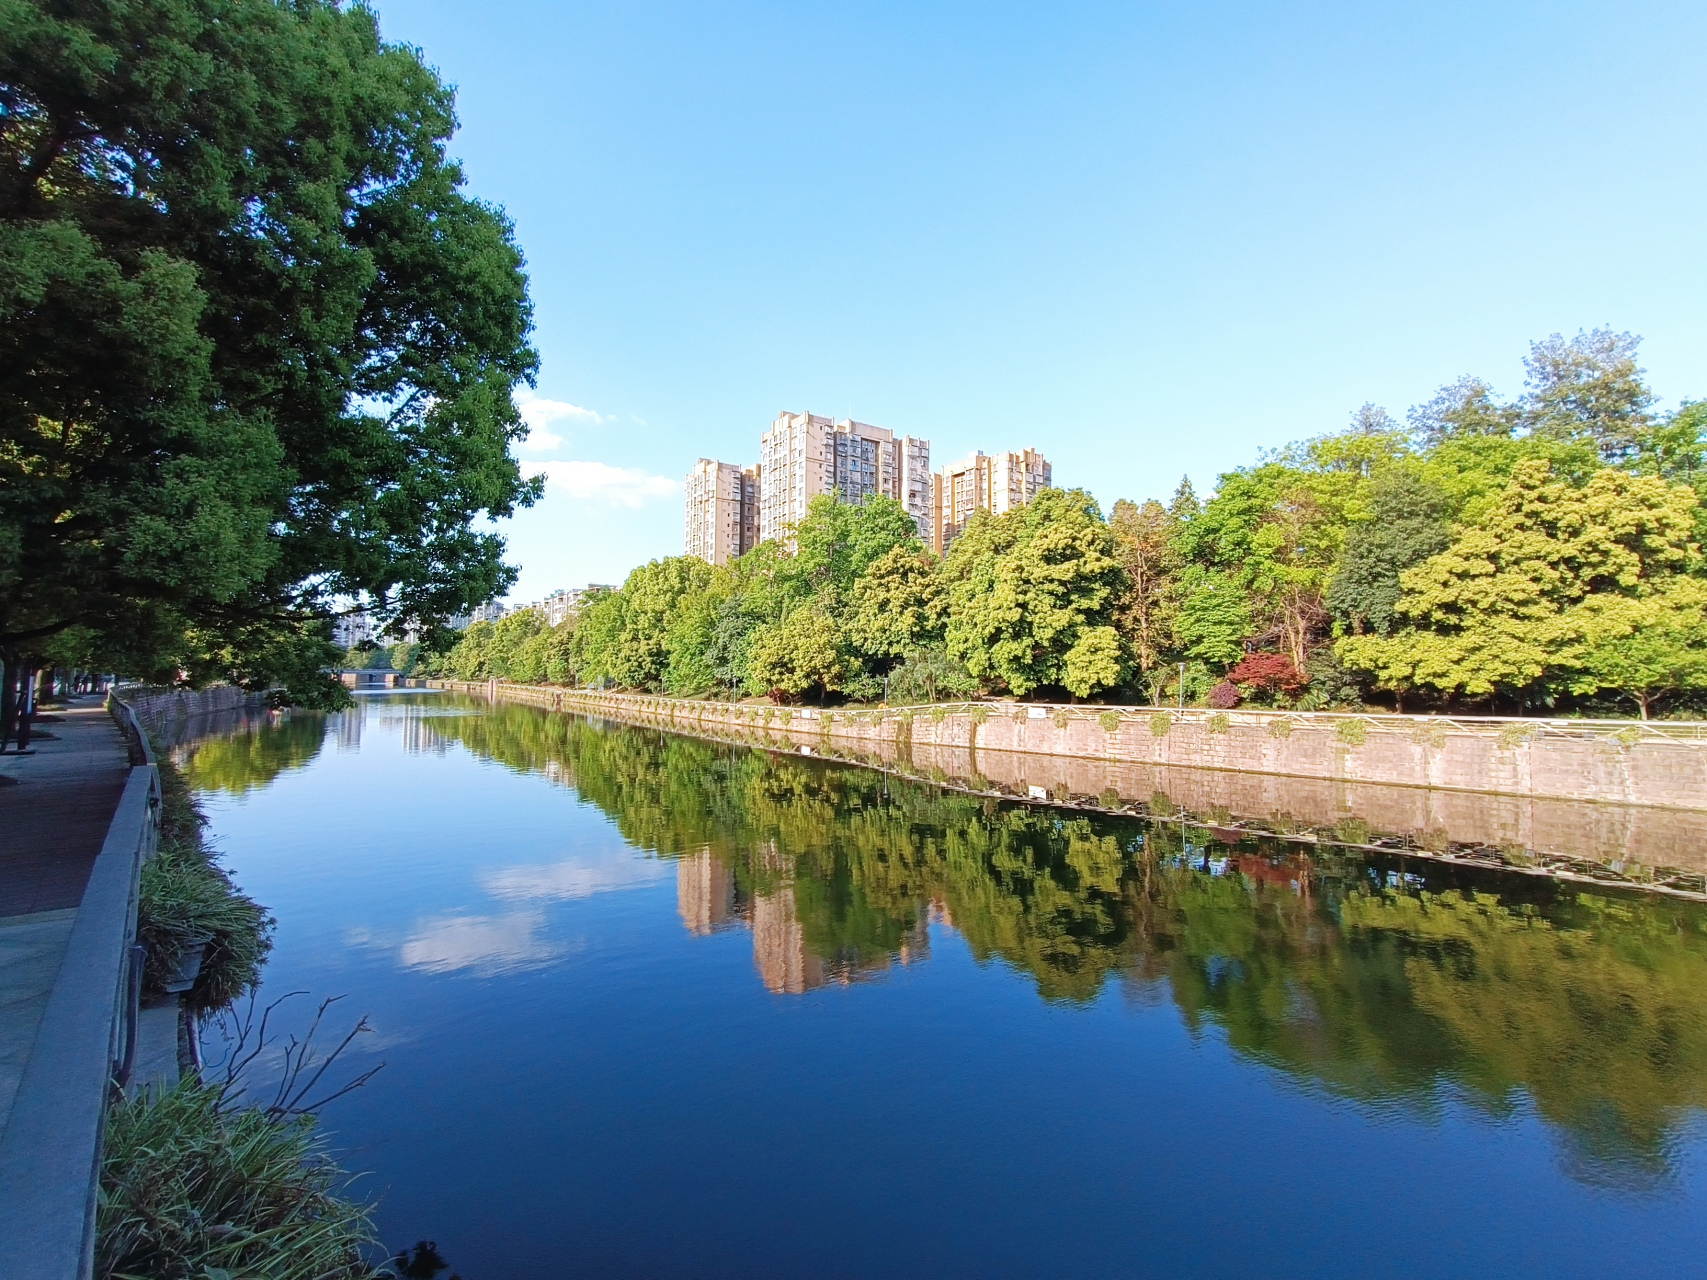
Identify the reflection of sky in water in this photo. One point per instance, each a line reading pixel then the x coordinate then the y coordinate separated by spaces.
pixel 590 1072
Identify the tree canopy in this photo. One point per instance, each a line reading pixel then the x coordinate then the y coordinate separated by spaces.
pixel 258 346
pixel 1538 553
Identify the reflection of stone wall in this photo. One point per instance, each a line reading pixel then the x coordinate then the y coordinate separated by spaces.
pixel 1552 787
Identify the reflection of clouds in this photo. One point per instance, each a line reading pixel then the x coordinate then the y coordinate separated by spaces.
pixel 572 878
pixel 486 944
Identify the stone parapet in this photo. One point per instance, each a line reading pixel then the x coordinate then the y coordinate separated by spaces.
pixel 1607 793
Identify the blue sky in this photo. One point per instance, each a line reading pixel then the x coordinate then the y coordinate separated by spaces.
pixel 1149 239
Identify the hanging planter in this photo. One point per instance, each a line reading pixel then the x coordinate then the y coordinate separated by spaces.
pixel 183 974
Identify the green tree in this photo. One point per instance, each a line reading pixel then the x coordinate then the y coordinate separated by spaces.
pixel 898 603
pixel 1466 408
pixel 257 347
pixel 1647 647
pixel 838 541
pixel 805 653
pixel 1406 525
pixel 1588 388
pixel 1147 616
pixel 928 674
pixel 1026 587
pixel 598 635
pixel 1214 617
pixel 1274 531
pixel 1511 604
pixel 654 595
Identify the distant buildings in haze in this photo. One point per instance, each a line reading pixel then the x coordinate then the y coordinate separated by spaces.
pixel 557 607
pixel 730 509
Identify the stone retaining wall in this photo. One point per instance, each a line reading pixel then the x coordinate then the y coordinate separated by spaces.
pixel 163 708
pixel 1609 793
pixel 1661 763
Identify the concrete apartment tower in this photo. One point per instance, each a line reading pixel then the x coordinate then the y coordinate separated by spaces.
pixel 995 482
pixel 722 511
pixel 804 454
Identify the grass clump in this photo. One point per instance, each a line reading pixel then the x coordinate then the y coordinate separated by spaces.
pixel 192 1188
pixel 186 900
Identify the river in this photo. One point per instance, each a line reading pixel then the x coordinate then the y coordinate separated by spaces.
pixel 653 1006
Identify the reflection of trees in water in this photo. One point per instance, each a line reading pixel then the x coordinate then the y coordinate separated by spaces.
pixel 254 753
pixel 1370 979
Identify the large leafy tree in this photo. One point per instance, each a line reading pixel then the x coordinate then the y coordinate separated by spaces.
pixel 257 346
pixel 1406 525
pixel 1588 388
pixel 838 541
pixel 654 597
pixel 1273 532
pixel 1148 614
pixel 1525 598
pixel 1033 593
pixel 898 604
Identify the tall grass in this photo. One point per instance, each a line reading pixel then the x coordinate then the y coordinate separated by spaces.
pixel 193 1185
pixel 191 1189
pixel 187 900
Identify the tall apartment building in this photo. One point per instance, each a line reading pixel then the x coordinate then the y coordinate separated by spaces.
pixel 995 482
pixel 804 455
pixel 722 511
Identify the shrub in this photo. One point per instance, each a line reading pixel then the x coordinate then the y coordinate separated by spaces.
pixel 185 900
pixel 1268 673
pixel 1062 717
pixel 1354 733
pixel 1110 721
pixel 1160 723
pixel 1224 696
pixel 192 1188
pixel 1279 728
pixel 1429 735
pixel 1219 723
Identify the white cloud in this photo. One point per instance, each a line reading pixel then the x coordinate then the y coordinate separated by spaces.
pixel 488 945
pixel 572 878
pixel 539 413
pixel 600 482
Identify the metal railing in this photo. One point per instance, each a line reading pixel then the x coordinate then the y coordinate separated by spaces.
pixel 50 1153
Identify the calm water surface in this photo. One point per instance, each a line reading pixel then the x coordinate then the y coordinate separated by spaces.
pixel 657 1007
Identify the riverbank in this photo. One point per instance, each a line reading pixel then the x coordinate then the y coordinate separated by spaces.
pixel 1115 760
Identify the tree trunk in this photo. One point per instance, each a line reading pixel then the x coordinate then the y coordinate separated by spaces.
pixel 26 703
pixel 8 699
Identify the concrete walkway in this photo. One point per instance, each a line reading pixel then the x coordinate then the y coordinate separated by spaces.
pixel 55 808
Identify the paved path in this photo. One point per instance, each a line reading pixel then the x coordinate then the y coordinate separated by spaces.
pixel 55 808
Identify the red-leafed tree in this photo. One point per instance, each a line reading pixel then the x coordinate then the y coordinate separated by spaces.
pixel 1268 672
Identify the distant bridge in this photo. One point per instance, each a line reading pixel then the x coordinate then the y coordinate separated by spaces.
pixel 380 678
